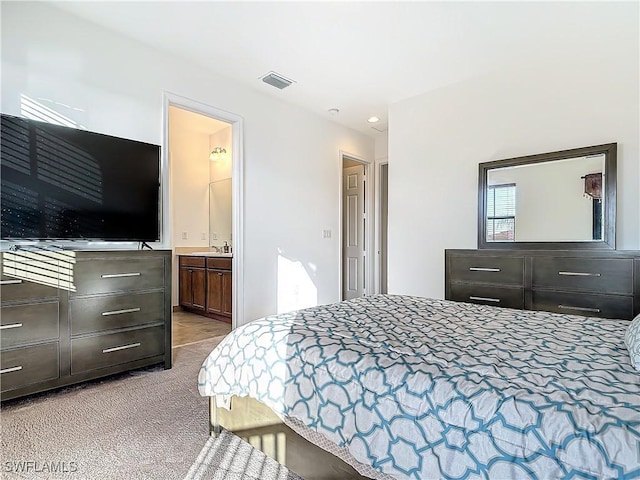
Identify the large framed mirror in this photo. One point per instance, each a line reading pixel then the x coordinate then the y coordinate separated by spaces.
pixel 220 212
pixel 557 200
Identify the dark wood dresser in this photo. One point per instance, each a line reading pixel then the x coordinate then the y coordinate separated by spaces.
pixel 581 282
pixel 71 316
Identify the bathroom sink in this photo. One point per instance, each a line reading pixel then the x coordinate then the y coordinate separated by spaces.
pixel 209 254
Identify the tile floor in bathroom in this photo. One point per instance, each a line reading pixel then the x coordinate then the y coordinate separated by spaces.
pixel 190 328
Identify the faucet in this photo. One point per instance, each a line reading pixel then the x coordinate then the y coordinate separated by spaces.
pixel 215 249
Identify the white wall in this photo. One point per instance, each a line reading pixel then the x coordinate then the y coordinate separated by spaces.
pixel 189 150
pixel 114 85
pixel 382 146
pixel 437 139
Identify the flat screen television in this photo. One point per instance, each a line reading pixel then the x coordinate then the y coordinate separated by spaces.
pixel 61 183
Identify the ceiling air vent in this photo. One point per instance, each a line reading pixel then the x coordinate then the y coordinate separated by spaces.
pixel 276 80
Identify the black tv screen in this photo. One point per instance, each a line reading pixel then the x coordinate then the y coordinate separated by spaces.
pixel 61 183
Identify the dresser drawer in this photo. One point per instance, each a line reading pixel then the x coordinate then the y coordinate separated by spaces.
pixel 18 289
pixel 188 261
pixel 28 365
pixel 113 275
pixel 219 263
pixel 611 275
pixel 511 297
pixel 29 275
pixel 96 314
pixel 20 324
pixel 483 269
pixel 588 305
pixel 101 351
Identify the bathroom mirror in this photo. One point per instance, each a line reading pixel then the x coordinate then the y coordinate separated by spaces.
pixel 557 200
pixel 220 212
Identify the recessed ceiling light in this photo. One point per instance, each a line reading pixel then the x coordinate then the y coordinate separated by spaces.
pixel 373 119
pixel 333 111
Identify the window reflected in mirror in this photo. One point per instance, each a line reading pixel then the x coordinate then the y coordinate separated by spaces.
pixel 501 213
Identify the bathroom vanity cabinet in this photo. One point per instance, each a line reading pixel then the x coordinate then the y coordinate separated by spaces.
pixel 206 285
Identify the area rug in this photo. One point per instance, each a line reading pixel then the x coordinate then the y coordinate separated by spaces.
pixel 147 424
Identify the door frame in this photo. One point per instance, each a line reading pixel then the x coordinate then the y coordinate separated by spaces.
pixel 378 193
pixel 369 232
pixel 237 188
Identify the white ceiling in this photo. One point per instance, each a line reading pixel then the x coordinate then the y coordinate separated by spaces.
pixel 360 57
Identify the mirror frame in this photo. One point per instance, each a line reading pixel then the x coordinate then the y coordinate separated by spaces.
pixel 609 213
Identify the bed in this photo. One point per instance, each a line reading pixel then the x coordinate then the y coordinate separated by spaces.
pixel 414 388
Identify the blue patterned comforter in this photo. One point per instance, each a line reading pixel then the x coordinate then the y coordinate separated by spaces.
pixel 423 389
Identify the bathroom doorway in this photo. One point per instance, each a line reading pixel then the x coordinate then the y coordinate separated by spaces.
pixel 203 195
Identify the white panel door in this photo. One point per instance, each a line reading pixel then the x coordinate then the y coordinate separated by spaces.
pixel 353 228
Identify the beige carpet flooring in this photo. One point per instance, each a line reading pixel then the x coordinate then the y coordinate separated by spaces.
pixel 149 424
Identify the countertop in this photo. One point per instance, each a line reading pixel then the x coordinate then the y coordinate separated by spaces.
pixel 206 254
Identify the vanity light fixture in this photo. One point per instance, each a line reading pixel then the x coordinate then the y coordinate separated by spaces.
pixel 373 119
pixel 218 153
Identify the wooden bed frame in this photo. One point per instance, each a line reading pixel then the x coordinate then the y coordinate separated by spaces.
pixel 257 424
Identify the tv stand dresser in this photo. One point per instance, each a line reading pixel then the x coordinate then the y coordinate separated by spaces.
pixel 71 316
pixel 596 283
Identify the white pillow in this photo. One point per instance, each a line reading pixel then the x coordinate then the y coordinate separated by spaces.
pixel 632 341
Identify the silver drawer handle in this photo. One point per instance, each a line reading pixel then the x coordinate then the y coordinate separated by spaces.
pixel 11 325
pixel 10 282
pixel 119 275
pixel 579 274
pixel 485 299
pixel 12 369
pixel 123 347
pixel 483 269
pixel 118 312
pixel 580 309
